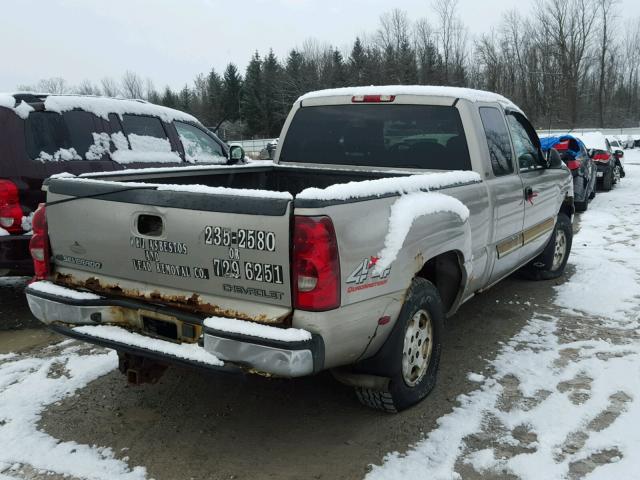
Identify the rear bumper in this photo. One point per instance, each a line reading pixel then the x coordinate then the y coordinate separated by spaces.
pixel 14 254
pixel 602 168
pixel 281 358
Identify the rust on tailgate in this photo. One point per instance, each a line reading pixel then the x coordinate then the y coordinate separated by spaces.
pixel 192 304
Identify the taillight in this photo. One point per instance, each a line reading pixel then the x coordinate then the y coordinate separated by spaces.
pixel 373 98
pixel 574 164
pixel 602 157
pixel 316 265
pixel 39 244
pixel 10 209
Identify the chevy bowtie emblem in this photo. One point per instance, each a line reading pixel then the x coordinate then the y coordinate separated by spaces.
pixel 77 248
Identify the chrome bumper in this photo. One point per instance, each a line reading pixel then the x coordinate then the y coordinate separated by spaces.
pixel 284 359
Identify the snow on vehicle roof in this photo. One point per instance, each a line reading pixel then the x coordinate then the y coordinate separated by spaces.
pixel 22 109
pixel 384 186
pixel 99 106
pixel 103 106
pixel 420 90
pixel 594 140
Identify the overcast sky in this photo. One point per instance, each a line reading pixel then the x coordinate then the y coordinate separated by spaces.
pixel 172 41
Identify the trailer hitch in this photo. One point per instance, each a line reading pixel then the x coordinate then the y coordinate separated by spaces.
pixel 140 370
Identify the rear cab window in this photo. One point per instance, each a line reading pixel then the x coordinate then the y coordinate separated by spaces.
pixel 498 140
pixel 374 135
pixel 527 153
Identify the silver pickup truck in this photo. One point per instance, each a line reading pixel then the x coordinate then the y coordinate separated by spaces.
pixel 384 210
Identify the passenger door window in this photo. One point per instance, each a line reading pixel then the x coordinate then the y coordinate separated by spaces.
pixel 526 151
pixel 146 134
pixel 198 146
pixel 143 125
pixel 498 141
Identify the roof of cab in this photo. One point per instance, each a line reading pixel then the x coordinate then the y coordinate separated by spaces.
pixel 419 90
pixel 100 106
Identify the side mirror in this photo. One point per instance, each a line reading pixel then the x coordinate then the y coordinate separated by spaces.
pixel 590 152
pixel 528 160
pixel 553 159
pixel 618 153
pixel 236 154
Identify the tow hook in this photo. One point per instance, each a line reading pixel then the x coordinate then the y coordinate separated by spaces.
pixel 140 370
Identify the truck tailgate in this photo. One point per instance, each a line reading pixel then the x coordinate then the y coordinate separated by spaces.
pixel 210 249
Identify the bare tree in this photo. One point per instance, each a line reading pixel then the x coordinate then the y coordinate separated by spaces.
pixel 110 87
pixel 132 85
pixel 394 30
pixel 606 12
pixel 453 36
pixel 87 87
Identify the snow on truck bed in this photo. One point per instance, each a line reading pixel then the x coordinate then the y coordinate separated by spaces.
pixel 240 192
pixel 384 186
pixel 339 191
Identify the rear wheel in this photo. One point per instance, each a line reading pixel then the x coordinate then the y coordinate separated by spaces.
pixel 616 174
pixel 553 259
pixel 414 351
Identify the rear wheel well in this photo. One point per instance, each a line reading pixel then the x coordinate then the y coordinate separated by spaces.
pixel 445 272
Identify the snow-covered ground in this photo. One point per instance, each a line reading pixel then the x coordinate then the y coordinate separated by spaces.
pixel 562 398
pixel 28 384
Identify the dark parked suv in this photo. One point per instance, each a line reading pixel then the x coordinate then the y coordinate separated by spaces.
pixel 44 135
pixel 575 156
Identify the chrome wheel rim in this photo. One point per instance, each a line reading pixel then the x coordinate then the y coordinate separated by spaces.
pixel 616 174
pixel 560 249
pixel 418 344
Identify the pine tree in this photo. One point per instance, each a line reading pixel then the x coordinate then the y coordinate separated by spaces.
pixel 184 99
pixel 406 64
pixel 273 105
pixel 215 114
pixel 252 97
pixel 338 73
pixel 169 98
pixel 231 92
pixel 292 79
pixel 357 64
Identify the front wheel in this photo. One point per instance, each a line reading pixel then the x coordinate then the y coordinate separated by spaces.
pixel 553 259
pixel 413 349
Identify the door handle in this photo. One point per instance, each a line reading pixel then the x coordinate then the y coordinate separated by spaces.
pixel 529 194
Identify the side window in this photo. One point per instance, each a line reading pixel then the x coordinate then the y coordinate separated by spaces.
pixel 45 132
pixel 145 134
pixel 81 127
pixel 198 146
pixel 143 126
pixel 526 151
pixel 497 140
